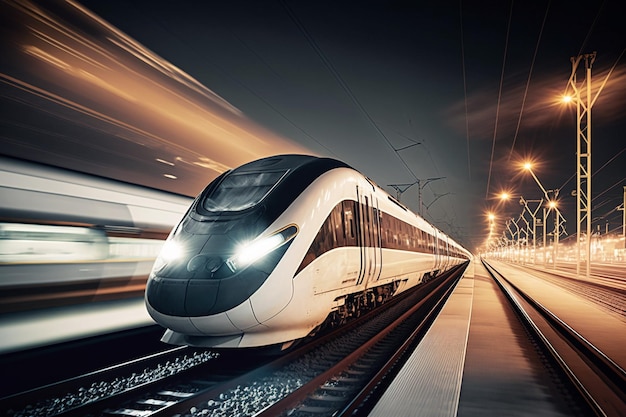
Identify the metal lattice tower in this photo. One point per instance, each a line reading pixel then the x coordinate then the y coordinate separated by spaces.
pixel 584 103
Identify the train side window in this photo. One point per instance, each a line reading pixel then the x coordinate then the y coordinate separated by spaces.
pixel 329 237
pixel 376 225
pixel 348 213
pixel 338 231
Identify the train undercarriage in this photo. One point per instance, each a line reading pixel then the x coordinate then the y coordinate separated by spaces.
pixel 357 304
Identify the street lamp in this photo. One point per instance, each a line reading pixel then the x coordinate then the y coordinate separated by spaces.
pixel 491 217
pixel 509 242
pixel 521 217
pixel 584 102
pixel 517 233
pixel 624 217
pixel 533 215
pixel 552 204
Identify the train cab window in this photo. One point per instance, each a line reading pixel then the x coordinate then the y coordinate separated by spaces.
pixel 240 191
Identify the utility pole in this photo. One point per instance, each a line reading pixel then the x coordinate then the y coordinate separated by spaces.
pixel 623 209
pixel 526 233
pixel 545 240
pixel 558 225
pixel 517 232
pixel 533 215
pixel 420 187
pixel 401 188
pixel 510 251
pixel 583 153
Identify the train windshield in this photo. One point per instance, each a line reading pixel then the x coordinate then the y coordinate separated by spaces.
pixel 240 191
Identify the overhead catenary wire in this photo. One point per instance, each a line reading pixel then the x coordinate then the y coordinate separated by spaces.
pixel 582 47
pixel 467 135
pixel 495 129
pixel 333 71
pixel 225 74
pixel 530 73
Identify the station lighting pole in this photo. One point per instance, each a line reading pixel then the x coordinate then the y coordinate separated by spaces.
pixel 512 241
pixel 517 232
pixel 504 245
pixel 624 218
pixel 533 215
pixel 583 153
pixel 552 204
pixel 526 232
pixel 622 208
pixel 492 221
pixel 545 249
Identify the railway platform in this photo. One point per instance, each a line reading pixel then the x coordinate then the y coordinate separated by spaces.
pixel 586 317
pixel 473 362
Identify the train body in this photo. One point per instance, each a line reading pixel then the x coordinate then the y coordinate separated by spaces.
pixel 68 238
pixel 271 251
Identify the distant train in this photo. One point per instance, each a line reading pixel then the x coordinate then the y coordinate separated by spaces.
pixel 273 250
pixel 68 237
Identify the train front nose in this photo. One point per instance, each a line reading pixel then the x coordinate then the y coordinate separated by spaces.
pixel 191 278
pixel 203 277
pixel 182 282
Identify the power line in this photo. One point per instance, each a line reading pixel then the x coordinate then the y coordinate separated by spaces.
pixel 582 47
pixel 330 67
pixel 530 73
pixel 495 129
pixel 227 76
pixel 467 135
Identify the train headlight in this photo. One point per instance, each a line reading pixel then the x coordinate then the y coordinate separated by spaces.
pixel 249 253
pixel 170 251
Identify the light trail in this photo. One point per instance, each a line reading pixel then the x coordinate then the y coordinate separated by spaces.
pixel 69 63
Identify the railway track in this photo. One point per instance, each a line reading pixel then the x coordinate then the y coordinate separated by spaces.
pixel 352 386
pixel 606 292
pixel 596 381
pixel 334 374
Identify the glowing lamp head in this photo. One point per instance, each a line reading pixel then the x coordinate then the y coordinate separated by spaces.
pixel 170 251
pixel 255 250
pixel 249 253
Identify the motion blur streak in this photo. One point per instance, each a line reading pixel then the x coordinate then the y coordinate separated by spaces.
pixel 82 66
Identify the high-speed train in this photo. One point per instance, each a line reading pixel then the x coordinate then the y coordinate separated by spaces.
pixel 68 237
pixel 271 251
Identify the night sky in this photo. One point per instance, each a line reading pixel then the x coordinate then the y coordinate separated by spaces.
pixel 401 90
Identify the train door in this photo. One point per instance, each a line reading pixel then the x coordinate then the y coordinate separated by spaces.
pixel 377 248
pixel 369 237
pixel 445 259
pixel 437 253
